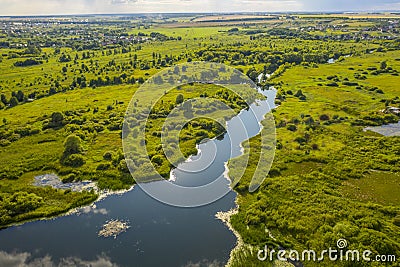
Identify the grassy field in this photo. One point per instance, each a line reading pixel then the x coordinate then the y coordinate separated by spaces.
pixel 330 179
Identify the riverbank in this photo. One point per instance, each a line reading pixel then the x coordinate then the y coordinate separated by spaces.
pixel 86 207
pixel 225 218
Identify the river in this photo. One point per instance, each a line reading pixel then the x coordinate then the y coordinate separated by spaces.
pixel 159 234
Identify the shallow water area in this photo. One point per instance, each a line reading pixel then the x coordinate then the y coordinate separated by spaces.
pixel 386 130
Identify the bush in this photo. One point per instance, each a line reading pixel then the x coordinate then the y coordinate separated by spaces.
pixel 21 202
pixel 396 220
pixel 4 142
pixel 300 140
pixel 108 155
pixel 292 127
pixel 350 83
pixel 72 145
pixel 13 101
pixel 179 99
pixel 123 167
pixel 74 160
pixel 332 84
pixel 114 127
pixel 103 166
pixel 28 62
pixel 69 178
pixel 57 120
pixel 324 117
pixel 157 159
pixel 315 147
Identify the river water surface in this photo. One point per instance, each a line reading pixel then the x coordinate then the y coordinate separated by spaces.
pixel 159 235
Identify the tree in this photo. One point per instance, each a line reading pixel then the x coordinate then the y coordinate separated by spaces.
pixel 158 80
pixel 179 99
pixel 292 127
pixel 72 145
pixel 20 96
pixel 33 50
pixel 157 159
pixel 13 101
pixel 22 202
pixel 252 74
pixel 324 117
pixel 176 70
pixel 298 93
pixel 383 65
pixel 4 99
pixel 108 155
pixel 57 119
pixel 52 91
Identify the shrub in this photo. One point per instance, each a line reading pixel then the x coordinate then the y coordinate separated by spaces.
pixel 292 127
pixel 114 127
pixel 157 159
pixel 13 101
pixel 72 145
pixel 57 120
pixel 324 117
pixel 108 155
pixel 22 202
pixel 300 140
pixel 28 62
pixel 333 84
pixel 179 99
pixel 350 83
pixel 396 220
pixel 69 178
pixel 74 160
pixel 103 166
pixel 4 142
pixel 123 167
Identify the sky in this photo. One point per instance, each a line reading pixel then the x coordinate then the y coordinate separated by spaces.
pixel 60 7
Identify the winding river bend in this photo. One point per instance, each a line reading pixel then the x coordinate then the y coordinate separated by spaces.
pixel 159 235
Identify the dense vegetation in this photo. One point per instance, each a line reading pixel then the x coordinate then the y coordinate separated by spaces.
pixel 193 132
pixel 330 179
pixel 64 90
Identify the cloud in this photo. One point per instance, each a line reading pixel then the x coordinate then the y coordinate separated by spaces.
pixel 94 209
pixel 118 2
pixel 203 263
pixel 349 5
pixel 24 260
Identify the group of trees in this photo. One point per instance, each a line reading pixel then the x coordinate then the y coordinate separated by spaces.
pixel 273 59
pixel 28 62
pixel 72 155
pixel 16 98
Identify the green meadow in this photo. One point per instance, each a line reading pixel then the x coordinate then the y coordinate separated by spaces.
pixel 329 179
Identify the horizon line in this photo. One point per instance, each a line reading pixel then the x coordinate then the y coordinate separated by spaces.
pixel 205 13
